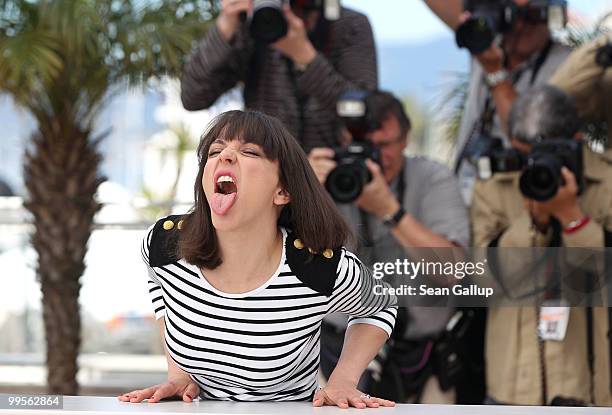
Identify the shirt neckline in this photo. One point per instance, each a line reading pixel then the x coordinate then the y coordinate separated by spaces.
pixel 210 287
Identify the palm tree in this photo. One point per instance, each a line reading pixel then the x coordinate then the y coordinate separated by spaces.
pixel 162 203
pixel 62 60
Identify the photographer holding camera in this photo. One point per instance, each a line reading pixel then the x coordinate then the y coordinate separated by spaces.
pixel 513 51
pixel 562 196
pixel 393 203
pixel 587 76
pixel 294 58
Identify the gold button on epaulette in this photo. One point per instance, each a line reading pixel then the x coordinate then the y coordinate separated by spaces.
pixel 179 225
pixel 168 225
pixel 328 253
pixel 298 244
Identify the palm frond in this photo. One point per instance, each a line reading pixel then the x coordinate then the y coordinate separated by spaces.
pixel 67 56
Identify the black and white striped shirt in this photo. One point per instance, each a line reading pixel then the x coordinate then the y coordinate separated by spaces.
pixel 262 345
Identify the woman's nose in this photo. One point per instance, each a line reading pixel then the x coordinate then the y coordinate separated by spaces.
pixel 228 155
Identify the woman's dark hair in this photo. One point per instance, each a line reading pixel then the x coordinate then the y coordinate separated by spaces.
pixel 311 214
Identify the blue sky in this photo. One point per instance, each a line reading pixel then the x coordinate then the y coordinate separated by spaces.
pixel 411 21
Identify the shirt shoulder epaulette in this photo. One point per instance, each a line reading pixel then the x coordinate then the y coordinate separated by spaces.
pixel 164 240
pixel 316 270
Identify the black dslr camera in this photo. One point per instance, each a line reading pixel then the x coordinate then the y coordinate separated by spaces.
pixel 542 177
pixel 490 157
pixel 541 168
pixel 345 182
pixel 490 18
pixel 268 23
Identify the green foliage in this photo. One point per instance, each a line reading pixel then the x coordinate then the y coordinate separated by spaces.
pixel 65 57
pixel 452 104
pixel 419 120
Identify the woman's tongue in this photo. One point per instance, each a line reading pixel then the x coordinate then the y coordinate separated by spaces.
pixel 222 203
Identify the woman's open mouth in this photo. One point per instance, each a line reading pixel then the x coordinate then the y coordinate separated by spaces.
pixel 225 193
pixel 225 185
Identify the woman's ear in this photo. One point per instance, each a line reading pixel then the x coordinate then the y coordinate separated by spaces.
pixel 281 197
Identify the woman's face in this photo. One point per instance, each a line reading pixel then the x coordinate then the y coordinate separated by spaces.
pixel 241 185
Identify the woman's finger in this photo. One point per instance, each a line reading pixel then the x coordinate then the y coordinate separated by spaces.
pixel 134 395
pixel 126 396
pixel 342 403
pixel 319 398
pixel 383 402
pixel 371 403
pixel 191 392
pixel 357 402
pixel 163 391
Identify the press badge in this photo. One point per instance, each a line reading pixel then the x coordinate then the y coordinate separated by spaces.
pixel 553 320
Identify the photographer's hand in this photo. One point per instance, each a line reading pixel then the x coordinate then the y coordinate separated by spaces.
pixel 492 59
pixel 322 162
pixel 228 21
pixel 503 92
pixel 295 45
pixel 377 198
pixel 563 206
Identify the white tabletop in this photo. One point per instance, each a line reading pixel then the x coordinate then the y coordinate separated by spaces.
pixel 109 406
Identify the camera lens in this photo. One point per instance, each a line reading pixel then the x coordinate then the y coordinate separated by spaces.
pixel 346 182
pixel 540 181
pixel 476 34
pixel 268 23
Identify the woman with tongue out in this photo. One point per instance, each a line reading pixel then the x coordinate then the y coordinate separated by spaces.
pixel 241 283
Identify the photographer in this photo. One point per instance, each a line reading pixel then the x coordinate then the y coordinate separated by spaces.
pixel 296 78
pixel 573 210
pixel 512 51
pixel 410 202
pixel 587 76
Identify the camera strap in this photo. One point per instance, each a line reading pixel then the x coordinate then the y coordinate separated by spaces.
pixel 365 232
pixel 300 99
pixel 321 40
pixel 484 123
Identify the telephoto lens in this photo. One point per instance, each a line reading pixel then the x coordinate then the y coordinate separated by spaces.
pixel 541 180
pixel 268 23
pixel 476 34
pixel 345 182
pixel 542 176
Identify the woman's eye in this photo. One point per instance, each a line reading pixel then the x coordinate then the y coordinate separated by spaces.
pixel 251 152
pixel 213 153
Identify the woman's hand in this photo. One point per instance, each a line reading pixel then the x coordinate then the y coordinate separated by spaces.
pixel 185 389
pixel 344 394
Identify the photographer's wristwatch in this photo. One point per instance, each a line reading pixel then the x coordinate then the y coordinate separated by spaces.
pixel 391 220
pixel 495 78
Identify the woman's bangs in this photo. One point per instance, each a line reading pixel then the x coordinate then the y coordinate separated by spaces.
pixel 248 127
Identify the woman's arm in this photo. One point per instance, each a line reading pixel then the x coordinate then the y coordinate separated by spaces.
pixel 179 382
pixel 361 344
pixel 371 321
pixel 174 372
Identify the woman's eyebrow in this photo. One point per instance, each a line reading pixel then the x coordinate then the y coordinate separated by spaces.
pixel 219 141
